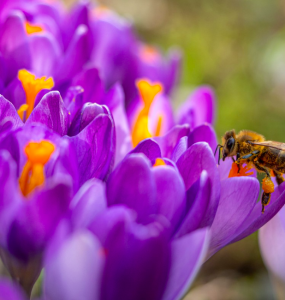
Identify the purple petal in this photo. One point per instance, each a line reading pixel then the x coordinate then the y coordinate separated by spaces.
pixel 149 148
pixel 191 163
pixel 73 100
pixel 114 99
pixel 46 54
pixel 256 219
pixel 10 290
pixel 75 57
pixel 92 85
pixel 170 193
pixel 74 271
pixel 15 93
pixel 199 108
pixel 187 256
pixel 95 148
pixel 272 243
pixel 9 117
pixel 46 208
pixel 142 270
pixel 88 203
pixel 168 142
pixel 198 198
pixel 14 44
pixel 52 113
pixel 238 197
pixel 132 184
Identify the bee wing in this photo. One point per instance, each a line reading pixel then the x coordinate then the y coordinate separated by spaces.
pixel 270 144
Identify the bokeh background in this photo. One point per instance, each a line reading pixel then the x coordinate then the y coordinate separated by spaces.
pixel 237 47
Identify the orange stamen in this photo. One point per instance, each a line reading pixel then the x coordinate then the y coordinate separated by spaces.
pixel 267 185
pixel 148 53
pixel 32 86
pixel 38 154
pixel 30 28
pixel 234 172
pixel 147 91
pixel 159 162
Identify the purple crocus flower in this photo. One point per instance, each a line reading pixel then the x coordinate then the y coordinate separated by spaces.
pixel 10 291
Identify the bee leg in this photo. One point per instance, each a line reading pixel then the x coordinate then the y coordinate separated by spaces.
pixel 265 200
pixel 279 177
pixel 237 161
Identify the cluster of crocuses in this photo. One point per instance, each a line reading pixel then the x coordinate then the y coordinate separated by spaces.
pixel 101 186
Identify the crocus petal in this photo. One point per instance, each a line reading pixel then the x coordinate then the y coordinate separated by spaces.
pixel 95 148
pixel 45 54
pixel 187 256
pixel 144 261
pixel 88 203
pixel 198 197
pixel 238 197
pixel 10 291
pixel 170 193
pixel 272 243
pixel 74 270
pixel 168 142
pixel 149 148
pixel 73 100
pixel 8 116
pixel 93 87
pixel 199 108
pixel 132 184
pixel 191 163
pixel 15 93
pixel 14 44
pixel 52 113
pixel 79 49
pixel 28 238
pixel 256 219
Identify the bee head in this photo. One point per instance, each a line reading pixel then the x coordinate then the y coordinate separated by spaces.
pixel 229 144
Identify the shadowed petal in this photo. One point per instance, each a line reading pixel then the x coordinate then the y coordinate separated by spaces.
pixel 187 256
pixel 10 291
pixel 191 163
pixel 132 184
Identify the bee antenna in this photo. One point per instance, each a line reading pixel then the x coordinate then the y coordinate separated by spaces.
pixel 218 146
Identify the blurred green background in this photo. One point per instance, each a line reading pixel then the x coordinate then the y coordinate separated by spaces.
pixel 237 47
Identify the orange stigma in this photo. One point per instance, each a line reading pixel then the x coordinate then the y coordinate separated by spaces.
pixel 159 162
pixel 147 91
pixel 243 171
pixel 32 86
pixel 38 154
pixel 30 28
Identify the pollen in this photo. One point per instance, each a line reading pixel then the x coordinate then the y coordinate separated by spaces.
pixel 38 154
pixel 267 185
pixel 159 162
pixel 31 29
pixel 32 86
pixel 244 171
pixel 148 91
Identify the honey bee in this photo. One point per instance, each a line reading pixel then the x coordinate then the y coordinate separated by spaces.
pixel 252 148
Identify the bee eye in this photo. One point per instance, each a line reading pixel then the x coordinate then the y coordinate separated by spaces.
pixel 230 143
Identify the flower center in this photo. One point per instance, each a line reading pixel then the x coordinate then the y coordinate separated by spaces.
pixel 243 171
pixel 147 91
pixel 159 162
pixel 32 86
pixel 30 28
pixel 38 154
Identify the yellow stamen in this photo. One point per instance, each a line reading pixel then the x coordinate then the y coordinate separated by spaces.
pixel 267 185
pixel 159 162
pixel 147 91
pixel 235 172
pixel 38 154
pixel 32 86
pixel 23 108
pixel 30 28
